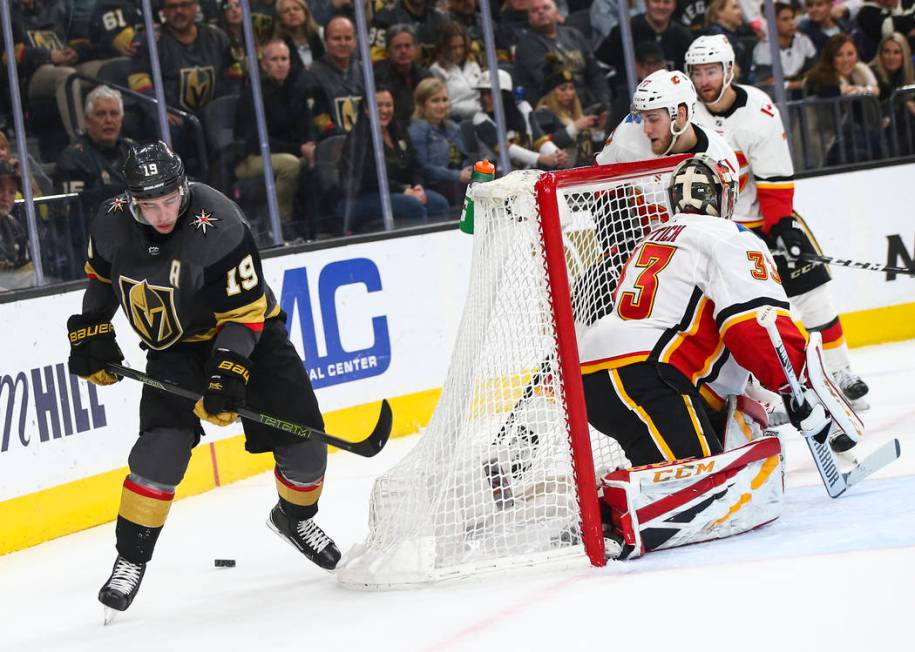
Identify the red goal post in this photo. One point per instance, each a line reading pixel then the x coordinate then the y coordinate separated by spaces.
pixel 506 473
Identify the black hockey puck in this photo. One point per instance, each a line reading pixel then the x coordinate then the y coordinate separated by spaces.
pixel 224 563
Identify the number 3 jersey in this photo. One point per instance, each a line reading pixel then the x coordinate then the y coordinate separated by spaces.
pixel 688 296
pixel 183 286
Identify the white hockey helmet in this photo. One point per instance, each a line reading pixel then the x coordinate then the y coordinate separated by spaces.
pixel 712 49
pixel 703 185
pixel 666 89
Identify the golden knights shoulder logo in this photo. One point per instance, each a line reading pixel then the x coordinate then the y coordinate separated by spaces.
pixel 197 87
pixel 152 312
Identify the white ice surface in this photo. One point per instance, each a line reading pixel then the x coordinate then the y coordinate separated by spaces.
pixel 828 575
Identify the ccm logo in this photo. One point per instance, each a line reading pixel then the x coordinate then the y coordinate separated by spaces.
pixel 683 471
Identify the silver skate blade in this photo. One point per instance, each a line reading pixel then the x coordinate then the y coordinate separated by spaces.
pixel 109 615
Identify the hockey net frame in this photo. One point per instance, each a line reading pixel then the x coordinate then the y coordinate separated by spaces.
pixel 415 537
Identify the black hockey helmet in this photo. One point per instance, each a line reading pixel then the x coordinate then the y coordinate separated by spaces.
pixel 153 170
pixel 702 185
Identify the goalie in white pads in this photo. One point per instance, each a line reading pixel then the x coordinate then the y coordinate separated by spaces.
pixel 752 126
pixel 686 302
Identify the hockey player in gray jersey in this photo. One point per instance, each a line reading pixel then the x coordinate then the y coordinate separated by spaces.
pixel 180 261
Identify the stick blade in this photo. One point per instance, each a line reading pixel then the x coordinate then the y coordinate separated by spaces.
pixel 889 452
pixel 372 445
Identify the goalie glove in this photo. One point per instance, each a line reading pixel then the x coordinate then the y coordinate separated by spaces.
pixel 788 238
pixel 227 375
pixel 92 347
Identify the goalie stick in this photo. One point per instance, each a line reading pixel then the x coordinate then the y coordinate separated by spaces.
pixel 368 447
pixel 844 262
pixel 836 482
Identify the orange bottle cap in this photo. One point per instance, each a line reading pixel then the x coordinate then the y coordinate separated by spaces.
pixel 485 167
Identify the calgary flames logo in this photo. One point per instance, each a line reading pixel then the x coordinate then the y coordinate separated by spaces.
pixel 152 312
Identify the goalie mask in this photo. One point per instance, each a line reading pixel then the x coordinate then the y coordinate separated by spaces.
pixel 153 170
pixel 665 89
pixel 704 186
pixel 712 49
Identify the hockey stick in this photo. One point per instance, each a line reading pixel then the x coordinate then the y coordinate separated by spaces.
pixel 844 262
pixel 835 481
pixel 497 477
pixel 368 447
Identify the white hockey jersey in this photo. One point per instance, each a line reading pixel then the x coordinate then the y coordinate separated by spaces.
pixel 688 296
pixel 753 128
pixel 628 143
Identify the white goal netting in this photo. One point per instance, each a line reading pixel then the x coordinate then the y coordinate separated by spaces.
pixel 490 484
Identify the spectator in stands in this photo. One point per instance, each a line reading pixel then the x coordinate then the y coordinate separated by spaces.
pixel 561 118
pixel 691 14
pixel 820 24
pixel 196 66
pixel 879 18
pixel 605 15
pixel 264 21
pixel 839 72
pixel 656 24
pixel 893 69
pixel 796 51
pixel 466 12
pixel 291 132
pixel 427 23
pixel 411 203
pixel 547 35
pixel 725 17
pixel 338 76
pixel 41 184
pixel 324 10
pixel 47 53
pixel 300 32
pixel 528 147
pixel 115 28
pixel 15 265
pixel 93 165
pixel 230 23
pixel 440 149
pixel 649 58
pixel 400 72
pixel 457 67
pixel 513 23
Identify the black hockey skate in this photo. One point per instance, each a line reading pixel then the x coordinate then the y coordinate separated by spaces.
pixel 307 537
pixel 121 588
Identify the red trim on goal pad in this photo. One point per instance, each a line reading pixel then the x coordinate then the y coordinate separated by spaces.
pixel 569 365
pixel 758 451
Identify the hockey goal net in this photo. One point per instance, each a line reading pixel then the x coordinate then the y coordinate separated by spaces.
pixel 505 474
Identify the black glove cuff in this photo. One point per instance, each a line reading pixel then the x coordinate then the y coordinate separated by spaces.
pixel 90 326
pixel 229 364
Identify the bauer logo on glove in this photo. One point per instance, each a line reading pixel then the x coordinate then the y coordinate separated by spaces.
pixel 92 348
pixel 228 374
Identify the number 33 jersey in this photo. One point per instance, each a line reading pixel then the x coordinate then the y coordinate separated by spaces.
pixel 688 296
pixel 182 286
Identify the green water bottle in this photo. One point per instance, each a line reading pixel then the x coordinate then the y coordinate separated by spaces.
pixel 482 171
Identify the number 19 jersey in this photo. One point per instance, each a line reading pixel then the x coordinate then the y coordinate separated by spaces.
pixel 688 297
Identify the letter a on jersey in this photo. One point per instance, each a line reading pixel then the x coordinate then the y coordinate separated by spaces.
pixel 152 313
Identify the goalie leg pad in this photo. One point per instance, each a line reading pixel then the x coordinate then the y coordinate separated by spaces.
pixel 746 421
pixel 690 501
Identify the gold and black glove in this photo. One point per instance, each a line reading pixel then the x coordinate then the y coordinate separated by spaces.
pixel 92 347
pixel 227 374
